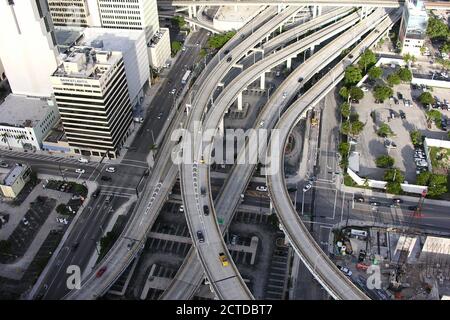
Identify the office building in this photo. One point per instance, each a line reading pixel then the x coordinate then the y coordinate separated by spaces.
pixel 15 180
pixel 413 27
pixel 25 121
pixel 91 92
pixel 78 13
pixel 27 49
pixel 132 45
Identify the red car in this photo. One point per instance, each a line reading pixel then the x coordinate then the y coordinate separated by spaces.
pixel 100 272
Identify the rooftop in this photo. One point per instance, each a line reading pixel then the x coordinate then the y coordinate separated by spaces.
pixel 86 62
pixel 22 111
pixel 13 174
pixel 157 36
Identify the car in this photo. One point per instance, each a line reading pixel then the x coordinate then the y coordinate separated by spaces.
pixel 284 95
pixel 444 124
pixel 362 255
pixel 105 178
pixel 399 95
pixel 110 169
pixel 397 200
pixel 108 199
pixel 261 123
pixel 75 246
pixel 300 79
pixel 233 239
pixel 25 221
pixel 374 204
pixel 396 100
pixel 197 44
pixel 392 113
pixel 96 193
pixel 100 272
pixel 173 91
pixel 3 164
pixel 226 51
pixel 229 59
pixel 181 209
pixel 307 187
pixel 160 115
pixel 223 259
pixel 205 210
pixel 83 160
pixel 402 115
pixel 203 191
pixel 346 271
pixel 202 160
pixel 129 246
pixel 261 188
pixel 80 171
pixel 359 199
pixel 277 73
pixel 183 49
pixel 200 237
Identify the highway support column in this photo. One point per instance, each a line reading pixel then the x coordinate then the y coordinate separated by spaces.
pixel 239 101
pixel 220 130
pixel 289 63
pixel 263 81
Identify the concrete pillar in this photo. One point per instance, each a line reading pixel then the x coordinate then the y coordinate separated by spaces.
pixel 263 81
pixel 289 63
pixel 235 8
pixel 319 10
pixel 190 12
pixel 239 101
pixel 312 49
pixel 314 10
pixel 221 127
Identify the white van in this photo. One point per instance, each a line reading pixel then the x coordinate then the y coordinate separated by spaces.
pixel 83 160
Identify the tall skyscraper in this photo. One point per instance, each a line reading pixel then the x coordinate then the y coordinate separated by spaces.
pixel 413 27
pixel 91 91
pixel 78 13
pixel 27 46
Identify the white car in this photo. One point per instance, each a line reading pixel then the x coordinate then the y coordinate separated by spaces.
pixel 110 169
pixel 346 271
pixel 181 208
pixel 25 221
pixel 364 89
pixel 307 187
pixel 80 171
pixel 261 123
pixel 284 95
pixel 183 49
pixel 83 160
pixel 173 91
pixel 261 188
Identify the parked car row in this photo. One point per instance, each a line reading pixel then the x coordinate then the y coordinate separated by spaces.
pixel 420 160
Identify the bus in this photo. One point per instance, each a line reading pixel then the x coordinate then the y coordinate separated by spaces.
pixel 185 77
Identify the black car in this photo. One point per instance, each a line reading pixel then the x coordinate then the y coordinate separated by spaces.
pixel 362 255
pixel 229 59
pixel 206 210
pixel 402 115
pixel 105 178
pixel 444 124
pixel 96 193
pixel 399 95
pixel 203 191
pixel 75 246
pixel 412 208
pixel 226 51
pixel 397 200
pixel 200 237
pixel 300 79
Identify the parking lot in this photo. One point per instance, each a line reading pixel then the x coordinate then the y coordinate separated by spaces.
pixel 402 119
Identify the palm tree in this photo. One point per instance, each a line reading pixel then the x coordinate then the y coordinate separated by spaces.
pixel 5 137
pixel 20 137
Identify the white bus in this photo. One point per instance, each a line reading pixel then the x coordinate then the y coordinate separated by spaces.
pixel 185 77
pixel 358 233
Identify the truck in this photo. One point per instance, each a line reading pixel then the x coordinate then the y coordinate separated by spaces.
pixel 185 77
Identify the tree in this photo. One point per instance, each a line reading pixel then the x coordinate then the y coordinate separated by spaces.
pixel 423 178
pixel 437 185
pixel 352 128
pixel 444 63
pixel 409 58
pixel 437 29
pixel 356 93
pixel 219 40
pixel 426 98
pixel 393 79
pixel 367 60
pixel 375 73
pixel 393 175
pixel 385 130
pixel 344 149
pixel 434 115
pixel 345 109
pixel 393 187
pixel 446 47
pixel 203 53
pixel 352 75
pixel 178 21
pixel 384 161
pixel 405 74
pixel 343 92
pixel 416 138
pixel 176 47
pixel 382 92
